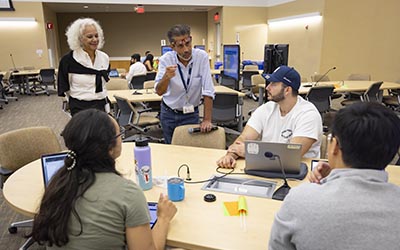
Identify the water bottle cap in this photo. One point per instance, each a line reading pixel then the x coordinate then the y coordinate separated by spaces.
pixel 142 142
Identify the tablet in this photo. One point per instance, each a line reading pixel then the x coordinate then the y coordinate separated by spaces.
pixel 153 213
pixel 314 163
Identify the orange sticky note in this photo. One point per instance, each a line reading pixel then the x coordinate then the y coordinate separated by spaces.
pixel 231 208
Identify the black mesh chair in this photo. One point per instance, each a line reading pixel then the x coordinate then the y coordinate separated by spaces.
pixel 46 78
pixel 372 94
pixel 392 100
pixel 229 82
pixel 137 82
pixel 247 84
pixel 320 96
pixel 226 111
pixel 151 76
pixel 130 118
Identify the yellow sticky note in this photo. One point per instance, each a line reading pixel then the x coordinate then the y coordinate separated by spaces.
pixel 231 208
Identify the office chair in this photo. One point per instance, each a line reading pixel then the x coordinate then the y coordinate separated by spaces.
pixel 137 82
pixel 356 77
pixel 372 94
pixel 393 99
pixel 247 83
pixel 250 67
pixel 131 118
pixel 228 81
pixel 5 92
pixel 116 84
pixel 319 78
pixel 20 147
pixel 214 139
pixel 226 111
pixel 320 96
pixel 151 75
pixel 46 78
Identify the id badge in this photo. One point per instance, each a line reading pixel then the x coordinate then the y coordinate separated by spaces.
pixel 188 108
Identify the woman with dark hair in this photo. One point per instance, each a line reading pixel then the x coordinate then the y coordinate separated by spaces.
pixel 87 204
pixel 148 62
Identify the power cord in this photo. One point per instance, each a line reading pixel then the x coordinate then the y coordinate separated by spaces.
pixel 215 178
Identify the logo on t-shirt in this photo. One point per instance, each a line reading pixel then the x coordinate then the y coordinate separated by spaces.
pixel 287 133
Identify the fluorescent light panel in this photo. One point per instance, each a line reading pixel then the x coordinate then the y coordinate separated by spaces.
pixel 307 16
pixel 17 19
pixel 6 22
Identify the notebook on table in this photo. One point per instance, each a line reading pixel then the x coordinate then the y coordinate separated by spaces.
pixel 267 159
pixel 51 163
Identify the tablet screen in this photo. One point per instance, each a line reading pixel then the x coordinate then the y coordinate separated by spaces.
pixel 153 213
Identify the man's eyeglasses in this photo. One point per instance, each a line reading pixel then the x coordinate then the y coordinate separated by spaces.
pixel 122 133
pixel 186 41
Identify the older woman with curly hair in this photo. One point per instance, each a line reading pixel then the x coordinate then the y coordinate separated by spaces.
pixel 83 71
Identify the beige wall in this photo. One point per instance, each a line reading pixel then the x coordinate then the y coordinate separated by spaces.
pixel 23 42
pixel 128 33
pixel 304 39
pixel 52 38
pixel 362 37
pixel 251 25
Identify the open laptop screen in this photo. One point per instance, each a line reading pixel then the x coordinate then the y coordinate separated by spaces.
pixel 51 163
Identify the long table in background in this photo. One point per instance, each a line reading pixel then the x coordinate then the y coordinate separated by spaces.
pixel 148 95
pixel 343 86
pixel 197 224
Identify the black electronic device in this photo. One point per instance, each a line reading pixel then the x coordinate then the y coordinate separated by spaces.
pixel 232 61
pixel 153 213
pixel 275 55
pixel 198 130
pixel 314 163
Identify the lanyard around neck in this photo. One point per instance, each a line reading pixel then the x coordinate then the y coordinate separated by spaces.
pixel 185 84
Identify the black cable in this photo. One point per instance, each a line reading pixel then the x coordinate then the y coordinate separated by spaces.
pixel 215 178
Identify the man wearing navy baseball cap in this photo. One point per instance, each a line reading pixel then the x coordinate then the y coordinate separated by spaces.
pixel 286 118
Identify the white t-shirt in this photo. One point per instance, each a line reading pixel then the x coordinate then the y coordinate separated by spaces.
pixel 303 120
pixel 136 69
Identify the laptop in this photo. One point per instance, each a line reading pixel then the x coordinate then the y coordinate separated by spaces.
pixel 113 73
pixel 51 163
pixel 259 156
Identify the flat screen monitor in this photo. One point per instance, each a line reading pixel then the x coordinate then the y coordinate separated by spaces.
pixel 203 47
pixel 275 55
pixel 232 61
pixel 165 49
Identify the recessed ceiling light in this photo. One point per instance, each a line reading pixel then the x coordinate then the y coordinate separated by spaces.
pixel 85 7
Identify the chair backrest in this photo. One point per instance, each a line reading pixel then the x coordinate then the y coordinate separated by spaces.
pixel 225 107
pixel 361 77
pixel 151 75
pixel 137 82
pixel 213 139
pixel 319 78
pixel 117 84
pixel 149 84
pixel 229 82
pixel 47 76
pixel 21 146
pixel 320 96
pixel 125 111
pixel 373 93
pixel 256 80
pixel 247 78
pixel 250 67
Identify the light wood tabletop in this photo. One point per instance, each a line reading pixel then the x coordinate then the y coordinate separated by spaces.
pixel 340 87
pixel 197 224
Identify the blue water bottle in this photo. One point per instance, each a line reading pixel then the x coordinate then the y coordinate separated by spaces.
pixel 142 156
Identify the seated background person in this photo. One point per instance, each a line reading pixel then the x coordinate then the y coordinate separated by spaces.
pixel 136 68
pixel 286 118
pixel 350 204
pixel 87 204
